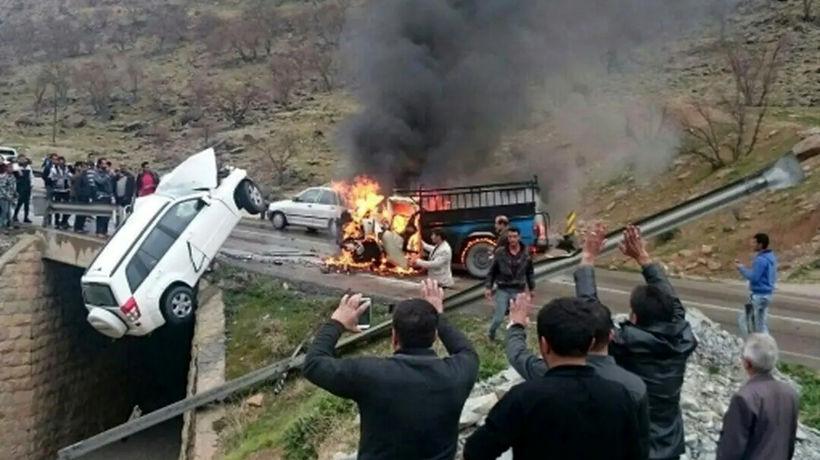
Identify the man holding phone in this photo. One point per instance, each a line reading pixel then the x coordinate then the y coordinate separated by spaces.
pixel 400 396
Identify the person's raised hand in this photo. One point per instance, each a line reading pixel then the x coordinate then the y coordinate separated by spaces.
pixel 433 293
pixel 594 241
pixel 520 309
pixel 634 246
pixel 349 310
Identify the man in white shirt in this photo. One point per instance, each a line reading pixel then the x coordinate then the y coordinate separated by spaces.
pixel 439 260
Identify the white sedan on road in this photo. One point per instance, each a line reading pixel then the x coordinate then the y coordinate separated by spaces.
pixel 316 208
pixel 148 272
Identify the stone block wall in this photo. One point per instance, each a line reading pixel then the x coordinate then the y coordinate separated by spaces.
pixel 60 381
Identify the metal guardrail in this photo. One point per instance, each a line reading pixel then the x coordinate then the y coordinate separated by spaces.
pixel 75 208
pixel 784 173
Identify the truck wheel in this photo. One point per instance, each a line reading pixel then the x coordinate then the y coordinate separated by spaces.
pixel 478 258
pixel 249 197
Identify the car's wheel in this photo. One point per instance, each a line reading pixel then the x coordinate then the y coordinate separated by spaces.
pixel 478 258
pixel 178 305
pixel 278 220
pixel 249 197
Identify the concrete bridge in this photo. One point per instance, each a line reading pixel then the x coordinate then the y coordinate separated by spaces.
pixel 70 248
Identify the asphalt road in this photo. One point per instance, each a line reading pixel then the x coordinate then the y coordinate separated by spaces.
pixel 794 318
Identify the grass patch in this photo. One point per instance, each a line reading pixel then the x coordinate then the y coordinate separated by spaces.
pixel 809 379
pixel 266 322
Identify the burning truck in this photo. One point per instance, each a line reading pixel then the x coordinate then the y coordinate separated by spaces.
pixel 380 233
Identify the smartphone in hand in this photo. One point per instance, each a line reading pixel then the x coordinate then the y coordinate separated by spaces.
pixel 366 317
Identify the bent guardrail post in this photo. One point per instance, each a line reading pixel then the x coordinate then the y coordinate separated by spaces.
pixel 784 173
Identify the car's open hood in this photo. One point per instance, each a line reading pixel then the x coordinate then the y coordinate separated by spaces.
pixel 198 172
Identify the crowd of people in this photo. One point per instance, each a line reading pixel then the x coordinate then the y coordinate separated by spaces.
pixel 90 181
pixel 594 390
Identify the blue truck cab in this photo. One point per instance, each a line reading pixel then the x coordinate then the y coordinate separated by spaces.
pixel 467 216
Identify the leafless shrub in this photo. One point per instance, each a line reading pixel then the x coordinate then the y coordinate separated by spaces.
pixel 168 24
pixel 286 72
pixel 719 142
pixel 807 8
pixel 96 81
pixel 234 102
pixel 159 94
pixel 122 36
pixel 160 136
pixel 132 76
pixel 281 155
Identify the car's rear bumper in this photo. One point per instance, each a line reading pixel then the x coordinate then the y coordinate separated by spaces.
pixel 107 322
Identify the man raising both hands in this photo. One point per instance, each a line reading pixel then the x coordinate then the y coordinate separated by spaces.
pixel 409 403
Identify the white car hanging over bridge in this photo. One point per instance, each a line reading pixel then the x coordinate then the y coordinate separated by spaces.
pixel 148 272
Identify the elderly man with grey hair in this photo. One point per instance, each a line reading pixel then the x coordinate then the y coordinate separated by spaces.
pixel 761 423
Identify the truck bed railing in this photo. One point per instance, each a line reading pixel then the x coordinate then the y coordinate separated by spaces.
pixel 476 196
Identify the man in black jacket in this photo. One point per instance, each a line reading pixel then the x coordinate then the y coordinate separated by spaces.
pixel 569 413
pixel 409 403
pixel 654 344
pixel 104 186
pixel 531 367
pixel 124 191
pixel 24 177
pixel 510 274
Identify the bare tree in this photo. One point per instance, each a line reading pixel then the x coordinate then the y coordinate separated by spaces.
pixel 234 102
pixel 807 4
pixel 268 21
pixel 724 142
pixel 132 76
pixel 40 87
pixel 168 24
pixel 286 72
pixel 281 156
pixel 322 62
pixel 122 36
pixel 96 81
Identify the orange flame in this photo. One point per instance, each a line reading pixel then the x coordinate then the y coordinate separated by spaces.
pixel 364 200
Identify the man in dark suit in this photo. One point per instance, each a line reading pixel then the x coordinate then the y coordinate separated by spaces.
pixel 569 413
pixel 409 403
pixel 761 422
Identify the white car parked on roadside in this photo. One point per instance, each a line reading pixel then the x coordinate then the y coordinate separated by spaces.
pixel 8 154
pixel 316 208
pixel 148 272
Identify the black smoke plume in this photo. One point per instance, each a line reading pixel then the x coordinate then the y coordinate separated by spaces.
pixel 441 82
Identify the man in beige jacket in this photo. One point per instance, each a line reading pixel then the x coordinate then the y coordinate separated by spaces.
pixel 439 261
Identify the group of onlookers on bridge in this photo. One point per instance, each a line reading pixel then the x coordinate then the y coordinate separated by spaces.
pixel 90 181
pixel 593 391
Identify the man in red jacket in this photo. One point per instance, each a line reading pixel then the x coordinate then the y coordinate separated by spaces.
pixel 147 181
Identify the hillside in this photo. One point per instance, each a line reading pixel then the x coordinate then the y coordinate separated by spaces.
pixel 153 80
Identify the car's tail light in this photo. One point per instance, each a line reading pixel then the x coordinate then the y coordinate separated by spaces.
pixel 131 310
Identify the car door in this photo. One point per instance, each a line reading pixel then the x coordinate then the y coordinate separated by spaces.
pixel 208 231
pixel 302 211
pixel 326 208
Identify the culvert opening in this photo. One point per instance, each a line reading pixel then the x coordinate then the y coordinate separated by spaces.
pixel 105 379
